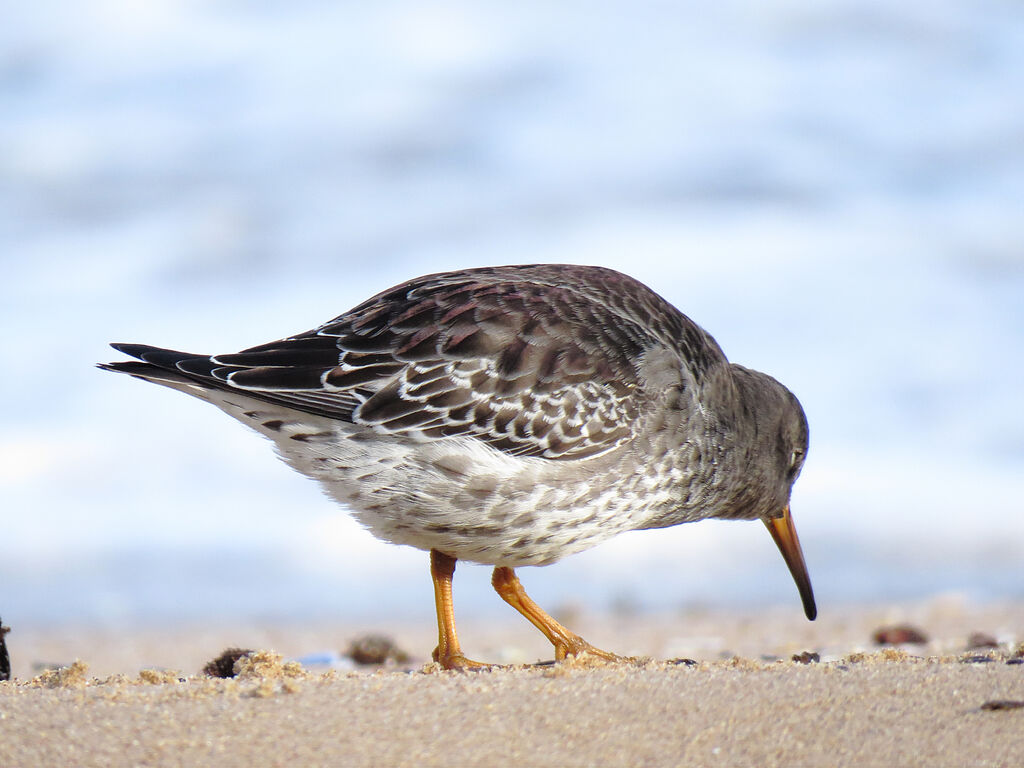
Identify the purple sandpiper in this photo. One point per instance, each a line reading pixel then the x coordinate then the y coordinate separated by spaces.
pixel 512 416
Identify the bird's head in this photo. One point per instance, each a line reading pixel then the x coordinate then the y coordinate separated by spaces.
pixel 779 443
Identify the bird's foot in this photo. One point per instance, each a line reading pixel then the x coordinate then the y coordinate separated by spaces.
pixel 456 660
pixel 576 647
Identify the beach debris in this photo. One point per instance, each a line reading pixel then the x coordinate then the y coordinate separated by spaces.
pixel 899 634
pixel 160 676
pixel 807 657
pixel 266 665
pixel 267 671
pixel 71 676
pixel 682 662
pixel 999 704
pixel 224 665
pixel 976 659
pixel 740 662
pixel 884 655
pixel 981 640
pixel 375 649
pixel 5 659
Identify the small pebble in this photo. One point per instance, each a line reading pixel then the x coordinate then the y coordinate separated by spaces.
pixel 807 657
pixel 375 649
pixel 683 662
pixel 976 660
pixel 899 635
pixel 981 640
pixel 224 665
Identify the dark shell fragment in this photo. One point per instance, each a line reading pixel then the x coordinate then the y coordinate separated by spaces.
pixel 224 665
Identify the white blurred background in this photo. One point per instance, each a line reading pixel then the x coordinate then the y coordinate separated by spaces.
pixel 834 190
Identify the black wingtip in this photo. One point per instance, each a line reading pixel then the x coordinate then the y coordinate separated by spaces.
pixel 125 366
pixel 158 356
pixel 132 350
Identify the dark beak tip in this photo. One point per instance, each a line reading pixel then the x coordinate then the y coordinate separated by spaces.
pixel 784 534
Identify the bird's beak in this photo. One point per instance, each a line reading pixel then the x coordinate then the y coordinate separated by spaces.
pixel 784 532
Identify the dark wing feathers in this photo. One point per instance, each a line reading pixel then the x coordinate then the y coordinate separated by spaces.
pixel 538 361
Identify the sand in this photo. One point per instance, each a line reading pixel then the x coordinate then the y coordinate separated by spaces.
pixel 744 702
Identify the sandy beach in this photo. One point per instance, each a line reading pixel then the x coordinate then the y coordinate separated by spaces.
pixel 715 688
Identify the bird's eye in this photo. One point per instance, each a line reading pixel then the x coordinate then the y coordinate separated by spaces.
pixel 795 459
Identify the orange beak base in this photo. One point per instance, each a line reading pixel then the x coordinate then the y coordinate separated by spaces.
pixel 784 533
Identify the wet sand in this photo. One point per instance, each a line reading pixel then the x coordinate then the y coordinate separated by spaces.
pixel 137 697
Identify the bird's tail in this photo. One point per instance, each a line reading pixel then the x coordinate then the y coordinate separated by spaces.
pixel 158 366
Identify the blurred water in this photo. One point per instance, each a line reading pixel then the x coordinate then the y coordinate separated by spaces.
pixel 832 190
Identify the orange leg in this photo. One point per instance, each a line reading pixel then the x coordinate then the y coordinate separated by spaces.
pixel 448 652
pixel 566 643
